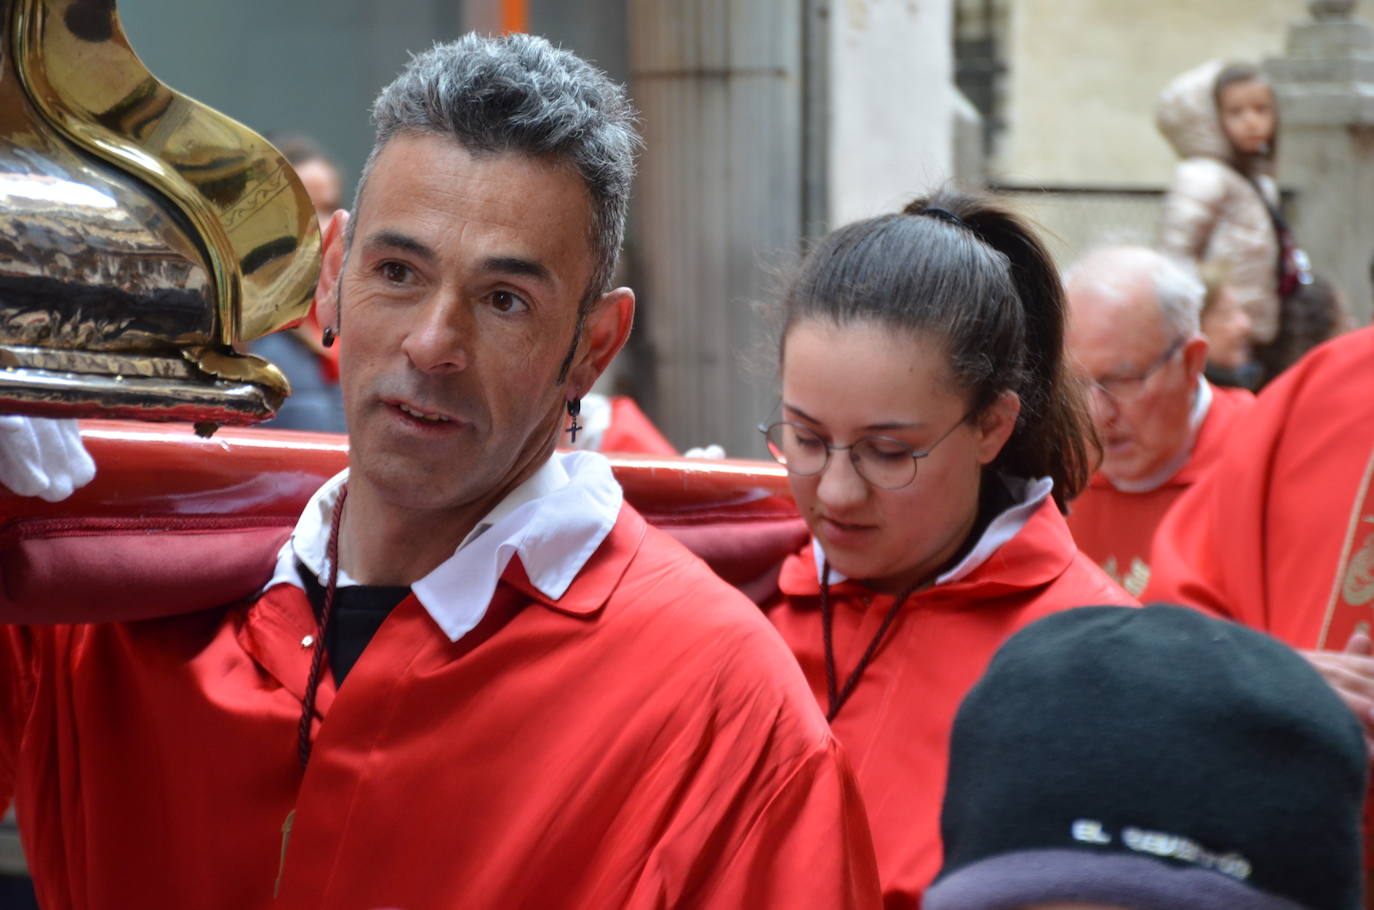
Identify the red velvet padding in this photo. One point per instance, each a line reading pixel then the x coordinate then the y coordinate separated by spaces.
pixel 745 549
pixel 175 523
pixel 72 570
pixel 100 570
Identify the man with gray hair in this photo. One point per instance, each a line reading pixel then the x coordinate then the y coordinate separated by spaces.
pixel 1133 334
pixel 552 704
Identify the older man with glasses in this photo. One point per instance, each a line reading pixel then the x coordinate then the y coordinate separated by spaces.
pixel 1134 337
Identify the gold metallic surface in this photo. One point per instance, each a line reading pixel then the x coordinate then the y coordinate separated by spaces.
pixel 256 221
pixel 238 367
pixel 88 257
pixel 50 393
pixel 141 233
pixel 60 360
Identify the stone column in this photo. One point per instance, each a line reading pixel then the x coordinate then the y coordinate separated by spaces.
pixel 482 16
pixel 719 202
pixel 767 122
pixel 893 104
pixel 1325 87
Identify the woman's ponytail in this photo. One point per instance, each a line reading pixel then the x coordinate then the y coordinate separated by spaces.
pixel 1054 435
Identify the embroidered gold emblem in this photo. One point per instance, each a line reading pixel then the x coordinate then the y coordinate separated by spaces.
pixel 1352 585
pixel 1135 580
pixel 1138 577
pixel 1358 584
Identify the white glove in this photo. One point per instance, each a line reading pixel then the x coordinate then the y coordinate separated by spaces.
pixel 43 457
pixel 710 451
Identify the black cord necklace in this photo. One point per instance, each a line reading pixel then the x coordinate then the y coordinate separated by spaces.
pixel 313 680
pixel 321 626
pixel 836 700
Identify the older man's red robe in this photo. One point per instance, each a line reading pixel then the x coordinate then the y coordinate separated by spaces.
pixel 1116 528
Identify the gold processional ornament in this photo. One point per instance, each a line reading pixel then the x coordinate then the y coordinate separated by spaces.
pixel 1358 584
pixel 142 234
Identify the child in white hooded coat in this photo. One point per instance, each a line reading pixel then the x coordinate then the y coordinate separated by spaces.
pixel 1223 203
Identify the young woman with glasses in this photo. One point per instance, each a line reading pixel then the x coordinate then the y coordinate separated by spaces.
pixel 932 437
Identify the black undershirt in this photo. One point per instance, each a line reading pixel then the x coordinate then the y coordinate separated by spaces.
pixel 359 611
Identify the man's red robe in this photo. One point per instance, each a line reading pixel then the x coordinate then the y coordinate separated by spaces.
pixel 1116 529
pixel 895 727
pixel 1281 535
pixel 644 741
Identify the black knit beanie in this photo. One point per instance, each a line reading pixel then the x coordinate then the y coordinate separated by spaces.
pixel 1154 759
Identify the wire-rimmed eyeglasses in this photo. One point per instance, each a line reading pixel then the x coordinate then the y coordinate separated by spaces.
pixel 1126 388
pixel 880 460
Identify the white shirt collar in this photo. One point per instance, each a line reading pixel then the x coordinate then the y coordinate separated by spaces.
pixel 1202 403
pixel 1027 496
pixel 555 521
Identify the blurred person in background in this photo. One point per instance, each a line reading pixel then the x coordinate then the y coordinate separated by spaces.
pixel 308 357
pixel 1223 203
pixel 1315 312
pixel 318 172
pixel 1134 338
pixel 1153 759
pixel 1226 326
pixel 932 434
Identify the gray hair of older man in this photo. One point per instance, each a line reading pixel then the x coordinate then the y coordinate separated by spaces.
pixel 518 93
pixel 1179 292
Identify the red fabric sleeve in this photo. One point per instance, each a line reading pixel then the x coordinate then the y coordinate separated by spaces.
pixel 1187 566
pixel 15 685
pixel 1209 550
pixel 1261 539
pixel 806 844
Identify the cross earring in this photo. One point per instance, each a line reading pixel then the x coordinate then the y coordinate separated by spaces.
pixel 574 408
